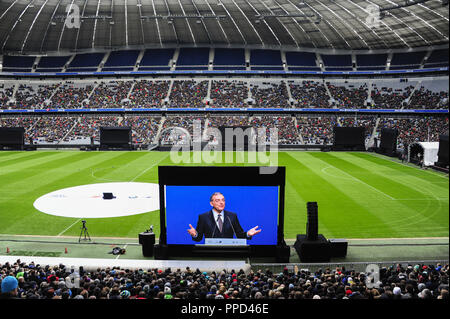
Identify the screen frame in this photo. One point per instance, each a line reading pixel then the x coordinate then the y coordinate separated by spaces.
pixel 229 176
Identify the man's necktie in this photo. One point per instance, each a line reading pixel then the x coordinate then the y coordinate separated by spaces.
pixel 219 222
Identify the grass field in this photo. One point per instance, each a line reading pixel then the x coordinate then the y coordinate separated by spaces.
pixel 360 195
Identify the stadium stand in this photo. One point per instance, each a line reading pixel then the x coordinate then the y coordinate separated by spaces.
pixel 156 60
pixel 407 60
pixel 396 282
pixel 193 59
pixel 229 59
pixel 265 60
pixel 301 61
pixel 337 62
pixel 87 62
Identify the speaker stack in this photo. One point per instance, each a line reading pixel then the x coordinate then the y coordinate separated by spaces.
pixel 312 225
pixel 314 247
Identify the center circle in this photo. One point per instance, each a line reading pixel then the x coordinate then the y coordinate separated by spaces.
pixel 87 201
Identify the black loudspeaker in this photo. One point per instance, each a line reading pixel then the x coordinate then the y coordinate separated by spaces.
pixel 338 247
pixel 147 240
pixel 312 225
pixel 108 196
pixel 161 251
pixel 282 254
pixel 312 250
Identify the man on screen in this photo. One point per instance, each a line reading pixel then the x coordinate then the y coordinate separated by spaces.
pixel 219 223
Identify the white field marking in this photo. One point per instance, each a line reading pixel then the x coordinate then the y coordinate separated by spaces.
pixel 430 172
pixel 59 235
pixel 148 168
pixel 324 170
pixel 357 179
pixel 92 174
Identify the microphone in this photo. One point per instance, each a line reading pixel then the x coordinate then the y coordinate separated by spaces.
pixel 232 226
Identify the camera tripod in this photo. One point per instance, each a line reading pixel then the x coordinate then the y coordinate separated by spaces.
pixel 84 232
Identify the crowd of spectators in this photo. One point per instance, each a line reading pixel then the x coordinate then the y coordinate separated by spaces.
pixel 427 99
pixel 188 93
pixel 71 95
pixel 310 94
pixel 177 130
pixel 309 130
pixel 390 98
pixel 316 130
pixel 418 129
pixel 148 94
pixel 349 96
pixel 270 95
pixel 29 97
pixel 143 128
pixel 6 93
pixel 89 126
pixel 112 94
pixel 228 94
pixel 284 125
pixel 397 282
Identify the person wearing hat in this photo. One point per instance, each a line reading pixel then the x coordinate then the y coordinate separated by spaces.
pixel 9 288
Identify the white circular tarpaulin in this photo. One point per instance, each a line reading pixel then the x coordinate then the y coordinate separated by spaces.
pixel 87 201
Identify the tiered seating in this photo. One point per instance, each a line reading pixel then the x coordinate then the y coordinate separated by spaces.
pixel 229 59
pixel 309 94
pixel 175 129
pixel 269 94
pixel 33 96
pixel 71 95
pixel 348 94
pixel 391 94
pixel 87 62
pixel 89 126
pixel 110 94
pixel 416 129
pixel 188 93
pixel 148 93
pixel 316 130
pixel 193 59
pixel 52 63
pixel 143 128
pixel 287 132
pixel 408 60
pixel 438 58
pixel 13 63
pixel 156 60
pixel 337 62
pixel 266 60
pixel 301 61
pixel 6 93
pixel 367 62
pixel 121 61
pixel 228 93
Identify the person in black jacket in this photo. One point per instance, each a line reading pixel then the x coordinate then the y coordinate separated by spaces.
pixel 219 223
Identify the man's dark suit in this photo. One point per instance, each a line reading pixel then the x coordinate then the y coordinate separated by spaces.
pixel 207 226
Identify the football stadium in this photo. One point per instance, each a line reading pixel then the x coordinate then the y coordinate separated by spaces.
pixel 240 150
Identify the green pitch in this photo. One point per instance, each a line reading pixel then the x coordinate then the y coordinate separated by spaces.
pixel 360 195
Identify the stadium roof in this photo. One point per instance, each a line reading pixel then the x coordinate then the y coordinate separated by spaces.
pixel 43 26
